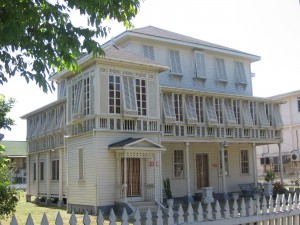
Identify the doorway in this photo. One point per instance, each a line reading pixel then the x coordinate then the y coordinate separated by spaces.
pixel 202 174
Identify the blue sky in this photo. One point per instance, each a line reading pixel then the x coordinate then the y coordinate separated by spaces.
pixel 270 29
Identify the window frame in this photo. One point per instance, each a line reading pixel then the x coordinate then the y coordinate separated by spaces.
pixel 42 171
pixel 244 162
pixel 55 169
pixel 34 171
pixel 200 65
pixel 114 94
pixel 148 51
pixel 178 166
pixel 220 68
pixel 239 69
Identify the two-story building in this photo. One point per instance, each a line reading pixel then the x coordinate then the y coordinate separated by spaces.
pixel 157 105
pixel 268 155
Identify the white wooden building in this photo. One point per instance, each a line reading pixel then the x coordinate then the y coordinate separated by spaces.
pixel 268 155
pixel 157 105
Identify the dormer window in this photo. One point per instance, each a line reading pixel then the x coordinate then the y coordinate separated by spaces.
pixel 175 62
pixel 221 74
pixel 148 52
pixel 200 69
pixel 240 74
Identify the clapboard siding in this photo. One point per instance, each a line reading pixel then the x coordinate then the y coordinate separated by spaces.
pixel 179 186
pixel 161 52
pixel 31 188
pixel 81 191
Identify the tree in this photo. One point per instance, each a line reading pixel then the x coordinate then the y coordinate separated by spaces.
pixel 8 195
pixel 37 37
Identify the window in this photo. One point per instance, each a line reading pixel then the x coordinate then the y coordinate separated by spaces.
pixel 168 106
pixel 244 162
pixel 240 72
pixel 219 112
pixel 263 119
pixel 55 170
pixel 190 109
pixel 237 111
pixel 148 52
pixel 41 170
pixel 230 117
pixel 141 96
pixel 175 62
pixel 268 113
pixel 199 108
pixel 211 112
pixel 200 65
pixel 298 103
pixel 114 94
pixel 253 112
pixel 86 96
pixel 220 70
pixel 178 164
pixel 225 162
pixel 76 98
pixel 129 96
pixel 277 117
pixel 34 171
pixel 80 164
pixel 247 114
pixel 178 107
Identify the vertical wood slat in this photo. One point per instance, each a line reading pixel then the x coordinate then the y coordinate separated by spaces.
pixel 285 213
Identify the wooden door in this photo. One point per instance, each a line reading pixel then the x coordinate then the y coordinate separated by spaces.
pixel 202 171
pixel 133 176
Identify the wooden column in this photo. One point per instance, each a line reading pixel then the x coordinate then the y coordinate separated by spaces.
pixel 48 177
pixel 60 181
pixel 37 176
pixel 125 177
pixel 254 164
pixel 188 179
pixel 280 163
pixel 223 170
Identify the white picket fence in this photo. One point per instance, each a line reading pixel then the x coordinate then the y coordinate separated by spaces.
pixel 280 212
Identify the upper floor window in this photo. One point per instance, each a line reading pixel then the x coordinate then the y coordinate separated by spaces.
pixel 190 110
pixel 129 95
pixel 246 114
pixel 178 107
pixel 55 170
pixel 230 117
pixel 219 110
pixel 244 162
pixel 220 70
pixel 168 107
pixel 114 94
pixel 268 113
pixel 211 114
pixel 76 97
pixel 62 89
pixel 298 103
pixel 240 72
pixel 200 65
pixel 263 118
pixel 148 52
pixel 253 112
pixel 175 62
pixel 199 108
pixel 86 96
pixel 141 96
pixel 237 110
pixel 178 164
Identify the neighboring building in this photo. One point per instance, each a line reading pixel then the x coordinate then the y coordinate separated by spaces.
pixel 158 105
pixel 268 155
pixel 15 151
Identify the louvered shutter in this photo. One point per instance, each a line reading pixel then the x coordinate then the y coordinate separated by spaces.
pixel 246 114
pixel 277 117
pixel 190 110
pixel 62 89
pixel 240 73
pixel 262 116
pixel 230 117
pixel 77 99
pixel 200 65
pixel 129 97
pixel 148 52
pixel 220 69
pixel 175 62
pixel 210 112
pixel 168 107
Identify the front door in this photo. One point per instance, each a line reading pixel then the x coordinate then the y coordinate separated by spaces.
pixel 133 176
pixel 202 171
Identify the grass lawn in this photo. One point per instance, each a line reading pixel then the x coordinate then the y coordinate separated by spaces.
pixel 37 211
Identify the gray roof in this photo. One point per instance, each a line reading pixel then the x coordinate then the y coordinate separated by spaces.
pixel 124 142
pixel 119 53
pixel 156 32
